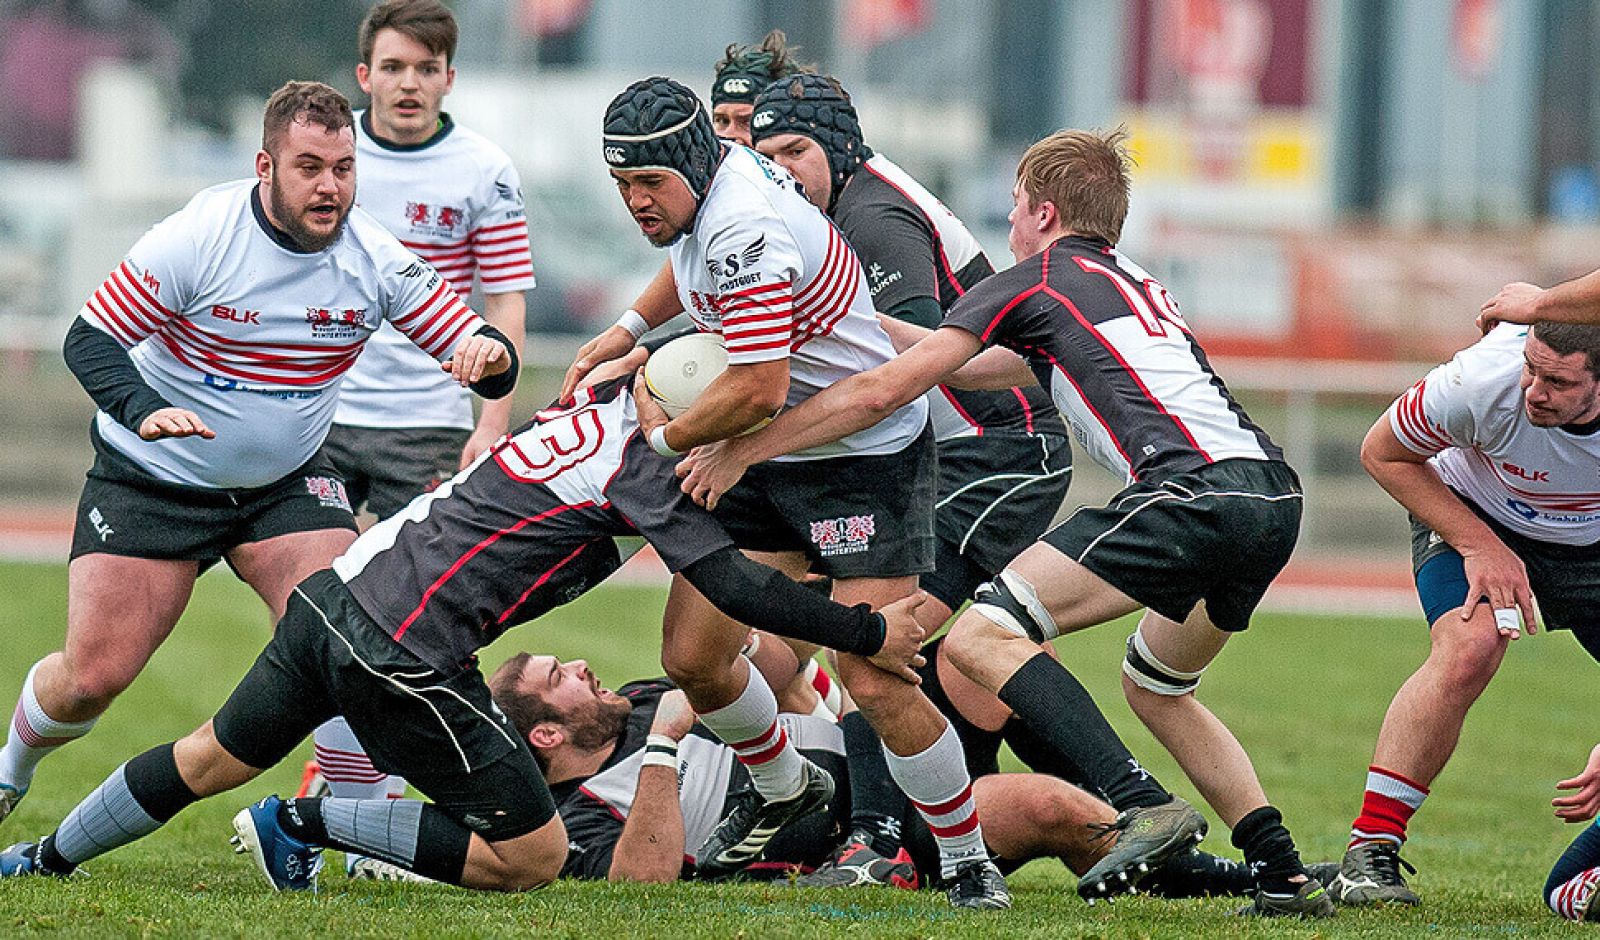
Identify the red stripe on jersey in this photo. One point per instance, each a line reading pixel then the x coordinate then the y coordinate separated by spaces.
pixel 1027 410
pixel 1414 420
pixel 758 289
pixel 263 349
pixel 148 298
pixel 526 259
pixel 944 267
pixel 758 347
pixel 102 305
pixel 1011 304
pixel 488 279
pixel 828 276
pixel 139 298
pixel 521 250
pixel 766 326
pixel 823 328
pixel 209 363
pixel 140 320
pixel 965 415
pixel 1099 418
pixel 540 581
pixel 437 257
pixel 439 348
pixel 450 321
pixel 513 238
pixel 435 246
pixel 403 318
pixel 472 552
pixel 1117 355
pixel 820 312
pixel 502 227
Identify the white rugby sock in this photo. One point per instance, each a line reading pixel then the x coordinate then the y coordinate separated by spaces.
pixel 348 769
pixel 749 725
pixel 936 781
pixel 33 735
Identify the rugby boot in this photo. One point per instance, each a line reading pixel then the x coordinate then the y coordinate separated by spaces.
pixel 1589 911
pixel 1325 872
pixel 750 825
pixel 10 796
pixel 287 863
pixel 1146 837
pixel 21 859
pixel 856 863
pixel 312 782
pixel 978 886
pixel 1370 874
pixel 367 868
pixel 1311 899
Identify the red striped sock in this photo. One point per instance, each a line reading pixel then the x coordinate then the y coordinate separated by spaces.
pixel 937 783
pixel 1569 899
pixel 749 725
pixel 1387 806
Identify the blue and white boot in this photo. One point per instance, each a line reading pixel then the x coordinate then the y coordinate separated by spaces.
pixel 287 863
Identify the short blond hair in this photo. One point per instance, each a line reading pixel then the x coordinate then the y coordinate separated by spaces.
pixel 1084 174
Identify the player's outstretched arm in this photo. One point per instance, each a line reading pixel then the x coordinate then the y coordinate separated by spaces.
pixel 993 369
pixel 106 371
pixel 1584 804
pixel 658 304
pixel 842 409
pixel 507 313
pixel 1493 570
pixel 485 362
pixel 650 849
pixel 1574 301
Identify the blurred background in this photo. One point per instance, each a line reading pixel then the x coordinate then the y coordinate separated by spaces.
pixel 1329 187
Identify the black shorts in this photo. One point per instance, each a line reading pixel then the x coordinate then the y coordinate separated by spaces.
pixel 444 734
pixel 1565 578
pixel 853 516
pixel 1218 534
pixel 997 494
pixel 126 511
pixel 386 468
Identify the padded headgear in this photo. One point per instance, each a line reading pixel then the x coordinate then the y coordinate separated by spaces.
pixel 745 75
pixel 817 107
pixel 657 123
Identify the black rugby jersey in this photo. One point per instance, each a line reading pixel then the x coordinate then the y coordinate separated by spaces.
pixel 1108 341
pixel 526 528
pixel 912 246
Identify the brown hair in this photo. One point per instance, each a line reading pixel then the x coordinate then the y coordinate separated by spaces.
pixel 774 44
pixel 429 22
pixel 1085 175
pixel 1564 339
pixel 523 709
pixel 303 102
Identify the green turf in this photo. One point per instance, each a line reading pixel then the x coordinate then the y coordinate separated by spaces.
pixel 1304 693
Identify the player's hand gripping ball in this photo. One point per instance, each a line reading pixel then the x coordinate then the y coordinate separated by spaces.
pixel 678 372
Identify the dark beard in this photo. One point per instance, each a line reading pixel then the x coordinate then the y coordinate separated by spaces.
pixel 285 216
pixel 604 724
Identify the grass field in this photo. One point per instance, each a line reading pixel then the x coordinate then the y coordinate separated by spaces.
pixel 1304 693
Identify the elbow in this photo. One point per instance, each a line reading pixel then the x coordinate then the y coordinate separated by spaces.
pixel 768 400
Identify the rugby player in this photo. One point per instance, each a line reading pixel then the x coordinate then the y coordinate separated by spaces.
pixel 1493 455
pixel 214 353
pixel 1004 459
pixel 744 72
pixel 756 263
pixel 1204 484
pixel 1570 888
pixel 388 638
pixel 453 197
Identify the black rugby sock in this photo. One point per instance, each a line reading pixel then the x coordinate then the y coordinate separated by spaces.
pixel 876 803
pixel 1268 850
pixel 1060 710
pixel 1197 874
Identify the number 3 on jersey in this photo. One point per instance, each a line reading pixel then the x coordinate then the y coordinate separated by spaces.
pixel 1150 310
pixel 558 441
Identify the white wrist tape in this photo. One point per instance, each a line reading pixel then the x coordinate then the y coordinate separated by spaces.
pixel 658 442
pixel 633 321
pixel 660 751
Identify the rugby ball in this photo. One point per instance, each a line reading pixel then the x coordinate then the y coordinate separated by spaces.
pixel 678 372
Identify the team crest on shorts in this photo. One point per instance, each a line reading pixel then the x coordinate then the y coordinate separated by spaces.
pixel 329 491
pixel 845 535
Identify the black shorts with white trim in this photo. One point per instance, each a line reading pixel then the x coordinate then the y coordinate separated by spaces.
pixel 1218 534
pixel 443 733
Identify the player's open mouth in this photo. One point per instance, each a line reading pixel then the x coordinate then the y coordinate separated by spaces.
pixel 323 213
pixel 408 106
pixel 648 224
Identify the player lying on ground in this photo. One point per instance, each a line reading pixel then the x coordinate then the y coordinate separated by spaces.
pixel 1494 456
pixel 215 383
pixel 1004 459
pixel 388 639
pixel 1570 889
pixel 1210 515
pixel 639 784
pixel 763 269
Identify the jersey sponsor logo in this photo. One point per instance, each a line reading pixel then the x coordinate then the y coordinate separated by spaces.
pixel 557 444
pixel 414 269
pixel 508 193
pixel 1532 476
pixel 878 278
pixel 736 86
pixel 236 315
pixel 336 323
pixel 329 491
pixel 845 535
pixel 417 213
pixel 435 220
pixel 735 262
pixel 149 280
pixel 616 155
pixel 705 309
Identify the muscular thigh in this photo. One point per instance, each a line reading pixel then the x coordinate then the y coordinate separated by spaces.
pixel 119 609
pixel 274 566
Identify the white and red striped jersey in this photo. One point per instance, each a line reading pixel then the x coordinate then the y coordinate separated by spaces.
pixel 1468 413
pixel 772 275
pixel 457 202
pixel 254 336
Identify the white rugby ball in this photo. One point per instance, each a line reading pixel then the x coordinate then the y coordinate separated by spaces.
pixel 678 372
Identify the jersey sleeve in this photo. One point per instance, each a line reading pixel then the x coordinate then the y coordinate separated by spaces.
pixel 755 268
pixel 896 250
pixel 151 286
pixel 1455 405
pixel 500 237
pixel 424 307
pixel 647 493
pixel 593 832
pixel 993 310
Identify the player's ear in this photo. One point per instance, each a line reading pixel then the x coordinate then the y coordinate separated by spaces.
pixel 1046 215
pixel 546 735
pixel 364 77
pixel 449 79
pixel 263 166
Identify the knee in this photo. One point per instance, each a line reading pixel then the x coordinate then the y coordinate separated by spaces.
pixel 1145 702
pixel 525 870
pixel 867 684
pixel 966 643
pixel 92 686
pixel 1469 664
pixel 694 671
